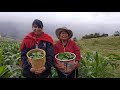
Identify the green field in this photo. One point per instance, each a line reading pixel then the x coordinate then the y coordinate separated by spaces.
pixel 100 58
pixel 107 46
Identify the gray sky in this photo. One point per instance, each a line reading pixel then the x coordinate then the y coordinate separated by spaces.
pixel 84 22
pixel 65 17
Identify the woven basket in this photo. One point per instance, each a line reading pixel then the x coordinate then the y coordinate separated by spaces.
pixel 67 63
pixel 38 63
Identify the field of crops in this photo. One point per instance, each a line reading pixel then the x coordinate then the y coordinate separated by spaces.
pixel 93 64
pixel 9 59
pixel 104 63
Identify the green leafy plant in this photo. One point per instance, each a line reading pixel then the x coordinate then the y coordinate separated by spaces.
pixel 35 55
pixel 9 59
pixel 94 65
pixel 65 56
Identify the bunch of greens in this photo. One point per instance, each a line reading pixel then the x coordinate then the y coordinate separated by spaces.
pixel 36 55
pixel 65 56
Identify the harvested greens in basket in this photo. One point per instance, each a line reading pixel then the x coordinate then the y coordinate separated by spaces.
pixel 65 56
pixel 36 55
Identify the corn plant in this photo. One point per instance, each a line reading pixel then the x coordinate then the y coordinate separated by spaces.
pixel 9 60
pixel 53 73
pixel 94 65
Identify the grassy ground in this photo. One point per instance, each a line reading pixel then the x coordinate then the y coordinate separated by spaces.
pixel 106 46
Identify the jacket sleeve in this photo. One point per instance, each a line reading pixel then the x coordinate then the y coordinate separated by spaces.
pixel 25 64
pixel 49 56
pixel 55 51
pixel 77 51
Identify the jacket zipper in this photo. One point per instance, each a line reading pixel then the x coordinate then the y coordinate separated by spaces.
pixel 36 44
pixel 64 48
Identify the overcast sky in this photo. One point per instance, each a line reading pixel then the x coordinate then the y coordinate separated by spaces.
pixel 70 19
pixel 65 17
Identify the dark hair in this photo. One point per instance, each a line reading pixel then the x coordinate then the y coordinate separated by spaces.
pixel 38 23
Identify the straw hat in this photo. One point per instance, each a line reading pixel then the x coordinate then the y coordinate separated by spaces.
pixel 64 29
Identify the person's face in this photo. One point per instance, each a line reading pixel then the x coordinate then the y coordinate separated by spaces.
pixel 63 35
pixel 36 29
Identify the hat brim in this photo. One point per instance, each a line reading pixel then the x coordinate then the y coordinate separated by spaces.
pixel 63 29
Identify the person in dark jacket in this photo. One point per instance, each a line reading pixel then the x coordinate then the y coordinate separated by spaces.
pixel 65 44
pixel 43 41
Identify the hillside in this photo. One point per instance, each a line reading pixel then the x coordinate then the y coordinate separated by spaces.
pixel 105 45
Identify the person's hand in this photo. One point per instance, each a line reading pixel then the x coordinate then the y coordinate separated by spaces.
pixel 40 70
pixel 74 65
pixel 32 70
pixel 60 66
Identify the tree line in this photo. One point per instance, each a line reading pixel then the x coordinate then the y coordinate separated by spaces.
pixel 96 35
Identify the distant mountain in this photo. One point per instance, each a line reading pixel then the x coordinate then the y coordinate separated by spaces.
pixel 9 29
pixel 20 29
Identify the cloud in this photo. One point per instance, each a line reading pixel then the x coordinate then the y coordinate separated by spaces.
pixel 79 22
pixel 64 17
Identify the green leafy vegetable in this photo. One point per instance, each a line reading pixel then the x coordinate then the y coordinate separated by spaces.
pixel 65 56
pixel 36 55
